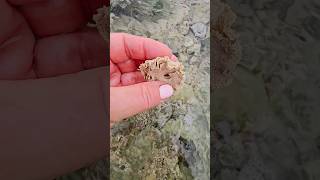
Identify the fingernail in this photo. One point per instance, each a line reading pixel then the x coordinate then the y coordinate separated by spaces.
pixel 165 91
pixel 174 58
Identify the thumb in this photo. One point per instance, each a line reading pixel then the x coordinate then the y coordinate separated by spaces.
pixel 126 101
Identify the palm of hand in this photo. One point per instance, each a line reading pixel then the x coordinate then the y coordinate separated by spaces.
pixel 127 52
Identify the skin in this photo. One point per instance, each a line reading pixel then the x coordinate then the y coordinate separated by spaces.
pixel 53 88
pixel 129 93
pixel 37 44
pixel 34 45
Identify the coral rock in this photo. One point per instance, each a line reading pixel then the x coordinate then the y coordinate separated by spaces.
pixel 163 69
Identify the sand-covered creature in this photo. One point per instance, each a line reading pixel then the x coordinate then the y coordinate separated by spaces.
pixel 163 69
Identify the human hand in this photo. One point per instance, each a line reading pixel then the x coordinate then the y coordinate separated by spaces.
pixel 45 38
pixel 129 93
pixel 57 112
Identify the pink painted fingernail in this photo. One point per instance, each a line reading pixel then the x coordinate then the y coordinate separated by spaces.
pixel 165 91
pixel 174 58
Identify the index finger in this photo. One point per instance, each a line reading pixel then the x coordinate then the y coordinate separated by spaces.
pixel 124 47
pixel 52 17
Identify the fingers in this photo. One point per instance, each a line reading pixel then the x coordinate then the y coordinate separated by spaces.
pixel 131 78
pixel 50 17
pixel 69 53
pixel 124 47
pixel 115 75
pixel 127 101
pixel 125 79
pixel 127 66
pixel 16 44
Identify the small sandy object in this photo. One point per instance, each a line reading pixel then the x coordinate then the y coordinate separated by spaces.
pixel 163 69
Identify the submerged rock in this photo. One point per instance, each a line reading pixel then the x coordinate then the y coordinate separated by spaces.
pixel 199 30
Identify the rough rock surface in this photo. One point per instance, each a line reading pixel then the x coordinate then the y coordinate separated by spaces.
pixel 224 45
pixel 163 69
pixel 101 22
pixel 182 122
pixel 267 120
pixel 173 138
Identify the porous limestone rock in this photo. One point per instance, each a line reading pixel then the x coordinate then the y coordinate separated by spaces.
pixel 163 69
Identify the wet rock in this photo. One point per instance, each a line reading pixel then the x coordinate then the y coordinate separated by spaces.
pixel 227 174
pixel 312 26
pixel 199 30
pixel 224 129
pixel 184 27
pixel 186 114
pixel 244 10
